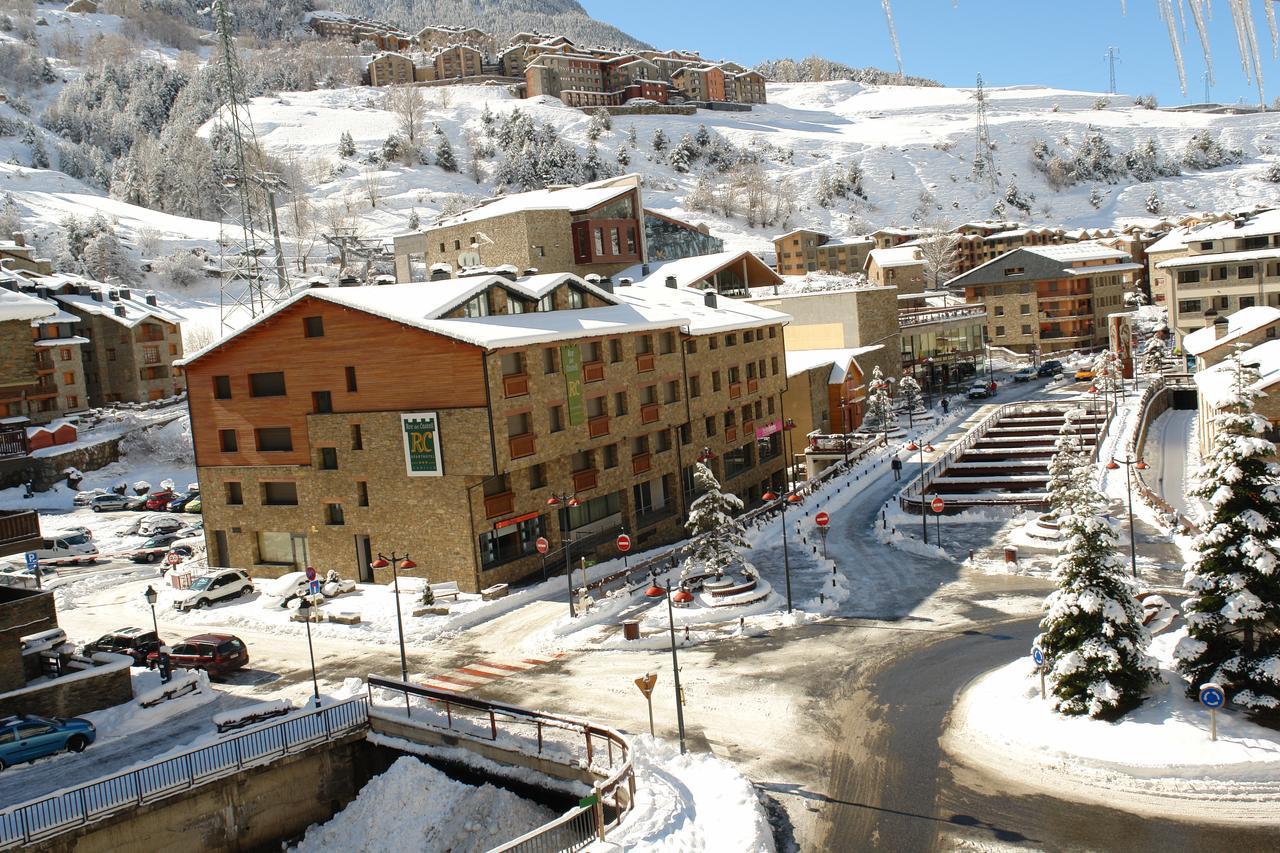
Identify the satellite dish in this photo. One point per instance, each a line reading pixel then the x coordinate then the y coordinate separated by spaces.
pixel 468 259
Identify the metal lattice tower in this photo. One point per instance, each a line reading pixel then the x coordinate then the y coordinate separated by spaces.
pixel 250 286
pixel 984 156
pixel 1112 57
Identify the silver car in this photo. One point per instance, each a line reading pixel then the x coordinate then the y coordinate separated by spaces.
pixel 109 503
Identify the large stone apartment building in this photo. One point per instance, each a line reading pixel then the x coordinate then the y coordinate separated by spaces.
pixel 19 367
pixel 1199 272
pixel 442 418
pixel 1050 298
pixel 804 250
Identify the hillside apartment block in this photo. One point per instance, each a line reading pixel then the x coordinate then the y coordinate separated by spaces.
pixel 599 228
pixel 1203 271
pixel 441 418
pixel 1050 298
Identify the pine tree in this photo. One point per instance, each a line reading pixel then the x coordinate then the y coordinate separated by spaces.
pixel 1153 357
pixel 659 141
pixel 703 136
pixel 1094 643
pixel 346 145
pixel 624 158
pixel 600 122
pixel 1107 372
pixel 718 537
pixel 39 156
pixel 631 136
pixel 105 259
pixel 444 155
pixel 414 221
pixel 879 403
pixel 1233 614
pixel 909 393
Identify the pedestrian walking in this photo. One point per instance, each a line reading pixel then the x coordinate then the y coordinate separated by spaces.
pixel 946 406
pixel 896 465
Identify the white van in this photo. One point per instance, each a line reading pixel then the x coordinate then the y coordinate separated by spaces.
pixel 67 545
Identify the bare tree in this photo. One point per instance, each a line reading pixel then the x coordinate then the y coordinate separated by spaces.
pixel 406 103
pixel 940 249
pixel 371 185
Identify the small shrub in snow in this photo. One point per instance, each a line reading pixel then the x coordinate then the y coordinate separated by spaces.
pixel 600 122
pixel 624 157
pixel 1273 173
pixel 1153 203
pixel 1101 103
pixel 1147 102
pixel 346 145
pixel 444 155
pixel 1016 199
pixel 1203 151
pixel 1096 198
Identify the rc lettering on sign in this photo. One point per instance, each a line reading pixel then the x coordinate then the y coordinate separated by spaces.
pixel 422 444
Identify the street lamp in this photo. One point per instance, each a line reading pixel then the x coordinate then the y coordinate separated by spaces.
pixel 924 518
pixel 395 563
pixel 1114 464
pixel 786 559
pixel 304 608
pixel 655 591
pixel 150 595
pixel 928 386
pixel 789 447
pixel 1093 415
pixel 844 428
pixel 568 501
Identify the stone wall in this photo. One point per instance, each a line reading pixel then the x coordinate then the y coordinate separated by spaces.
pixel 77 693
pixel 22 612
pixel 46 471
pixel 17 362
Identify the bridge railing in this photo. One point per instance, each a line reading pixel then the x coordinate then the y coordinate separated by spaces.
pixel 65 810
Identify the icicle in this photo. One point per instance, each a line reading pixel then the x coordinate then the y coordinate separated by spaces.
pixel 1170 19
pixel 1241 40
pixel 1247 37
pixel 1124 9
pixel 893 33
pixel 1270 8
pixel 1198 16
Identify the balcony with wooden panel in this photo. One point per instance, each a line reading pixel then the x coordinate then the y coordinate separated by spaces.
pixel 753 385
pixel 592 371
pixel 500 504
pixel 515 385
pixel 645 362
pixel 641 462
pixel 731 433
pixel 584 480
pixel 748 429
pixel 522 445
pixel 735 390
pixel 598 426
pixel 650 412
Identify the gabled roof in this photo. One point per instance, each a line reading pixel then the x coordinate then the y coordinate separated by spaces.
pixel 136 310
pixel 1215 383
pixel 1041 262
pixel 21 306
pixel 898 256
pixel 800 361
pixel 1240 323
pixel 569 199
pixel 690 271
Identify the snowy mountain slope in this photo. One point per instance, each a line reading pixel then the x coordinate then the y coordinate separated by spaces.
pixel 908 141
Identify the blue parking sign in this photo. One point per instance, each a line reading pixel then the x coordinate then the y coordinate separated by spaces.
pixel 315 587
pixel 32 560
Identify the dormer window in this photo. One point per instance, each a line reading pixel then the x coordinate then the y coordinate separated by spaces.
pixel 575 298
pixel 477 306
pixel 1011 271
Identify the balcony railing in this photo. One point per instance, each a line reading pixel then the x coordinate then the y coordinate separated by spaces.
pixel 522 445
pixel 515 385
pixel 753 385
pixel 735 390
pixel 592 371
pixel 641 462
pixel 598 426
pixel 924 317
pixel 748 428
pixel 584 480
pixel 649 413
pixel 644 362
pixel 731 433
pixel 496 505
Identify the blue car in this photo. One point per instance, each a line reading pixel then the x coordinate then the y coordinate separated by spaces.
pixel 27 738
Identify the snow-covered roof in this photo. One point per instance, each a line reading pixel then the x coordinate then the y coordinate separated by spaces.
pixel 1103 268
pixel 1240 323
pixel 135 310
pixel 1210 258
pixel 690 271
pixel 1215 383
pixel 800 361
pixel 20 306
pixel 1089 250
pixel 510 330
pixel 58 316
pixel 582 197
pixel 699 318
pixel 74 340
pixel 898 256
pixel 1252 224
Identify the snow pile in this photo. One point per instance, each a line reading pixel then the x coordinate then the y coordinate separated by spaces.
pixel 691 802
pixel 413 807
pixel 1159 750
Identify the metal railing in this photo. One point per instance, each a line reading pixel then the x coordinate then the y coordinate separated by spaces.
pixel 924 316
pixel 599 750
pixel 13 443
pixel 64 811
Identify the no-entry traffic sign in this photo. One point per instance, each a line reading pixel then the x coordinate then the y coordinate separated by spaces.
pixel 542 545
pixel 937 504
pixel 624 542
pixel 822 519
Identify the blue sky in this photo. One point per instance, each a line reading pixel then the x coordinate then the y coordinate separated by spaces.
pixel 1055 44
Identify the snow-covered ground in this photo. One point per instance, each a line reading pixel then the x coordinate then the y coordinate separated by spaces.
pixel 1156 758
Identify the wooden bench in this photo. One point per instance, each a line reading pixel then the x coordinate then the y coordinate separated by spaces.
pixel 446 590
pixel 493 593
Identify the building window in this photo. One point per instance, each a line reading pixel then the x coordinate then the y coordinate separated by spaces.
pixel 227 440
pixel 1188 276
pixel 280 494
pixel 68 379
pixel 549 360
pixel 1244 272
pixel 556 416
pixel 710 425
pixel 773 364
pixel 351 380
pixel 715 381
pixel 999 331
pixel 73 401
pixel 510 543
pixel 538 476
pixel 235 495
pixel 588 512
pixel 333 514
pixel 313 327
pixel 274 439
pixel 691 347
pixel 671 393
pixel 65 352
pixel 1024 309
pixel 999 310
pixel 620 403
pixel 266 384
pixel 222 387
pixel 328 459
pixel 275 548
pixel 1026 329
pixel 477 306
pixel 695 387
pixel 321 402
pixel 1189 306
pixel 357 437
pixel 575 298
pixel 731 340
pixel 111 354
pixel 615 350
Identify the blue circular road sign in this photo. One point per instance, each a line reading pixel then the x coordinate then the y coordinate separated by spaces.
pixel 1037 655
pixel 1211 696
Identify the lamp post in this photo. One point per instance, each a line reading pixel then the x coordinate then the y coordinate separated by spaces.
pixel 395 564
pixel 150 595
pixel 567 501
pixel 304 607
pixel 1093 415
pixel 1128 483
pixel 928 386
pixel 786 559
pixel 924 516
pixel 844 427
pixel 789 446
pixel 655 591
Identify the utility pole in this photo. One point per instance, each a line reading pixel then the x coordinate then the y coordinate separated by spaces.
pixel 984 158
pixel 1112 56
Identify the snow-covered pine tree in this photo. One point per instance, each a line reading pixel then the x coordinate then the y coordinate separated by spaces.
pixel 879 402
pixel 718 537
pixel 1153 357
pixel 105 258
pixel 444 155
pixel 600 122
pixel 659 140
pixel 624 158
pixel 1233 614
pixel 1107 374
pixel 346 145
pixel 1094 643
pixel 414 220
pixel 909 393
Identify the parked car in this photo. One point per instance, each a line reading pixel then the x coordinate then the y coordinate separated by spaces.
pixel 1026 374
pixel 27 737
pixel 981 391
pixel 194 505
pixel 153 525
pixel 214 586
pixel 180 501
pixel 280 591
pixel 1084 374
pixel 109 502
pixel 153 549
pixel 86 497
pixel 159 501
pixel 67 544
pixel 216 654
pixel 194 527
pixel 137 643
pixel 1052 367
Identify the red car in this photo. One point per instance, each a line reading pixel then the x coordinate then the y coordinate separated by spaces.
pixel 159 501
pixel 216 654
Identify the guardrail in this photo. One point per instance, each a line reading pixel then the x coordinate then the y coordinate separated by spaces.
pixel 61 812
pixel 1159 385
pixel 599 750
